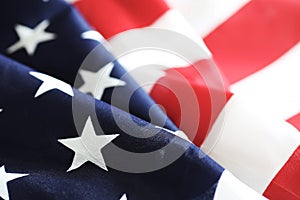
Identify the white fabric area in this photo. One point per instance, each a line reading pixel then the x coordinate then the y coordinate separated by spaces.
pixel 206 15
pixel 138 61
pixel 229 187
pixel 252 145
pixel 275 89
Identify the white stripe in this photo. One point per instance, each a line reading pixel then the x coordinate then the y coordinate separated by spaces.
pixel 206 15
pixel 153 62
pixel 252 145
pixel 174 21
pixel 70 1
pixel 147 66
pixel 229 187
pixel 276 88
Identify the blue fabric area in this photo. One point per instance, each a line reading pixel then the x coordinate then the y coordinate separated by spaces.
pixel 30 129
pixel 63 56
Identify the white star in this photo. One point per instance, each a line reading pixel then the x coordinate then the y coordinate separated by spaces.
pixel 30 38
pixel 4 178
pixel 88 147
pixel 124 197
pixel 178 133
pixel 1 109
pixel 50 83
pixel 92 35
pixel 97 82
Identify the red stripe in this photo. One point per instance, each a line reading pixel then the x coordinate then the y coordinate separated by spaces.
pixel 192 97
pixel 111 17
pixel 295 121
pixel 286 184
pixel 254 37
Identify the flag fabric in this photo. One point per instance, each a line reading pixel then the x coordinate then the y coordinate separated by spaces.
pixel 255 45
pixel 159 15
pixel 59 143
pixel 46 29
pixel 37 147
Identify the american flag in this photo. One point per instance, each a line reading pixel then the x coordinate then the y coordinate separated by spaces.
pixel 76 125
pixel 255 45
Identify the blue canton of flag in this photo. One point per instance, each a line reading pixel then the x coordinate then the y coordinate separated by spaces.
pixel 53 38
